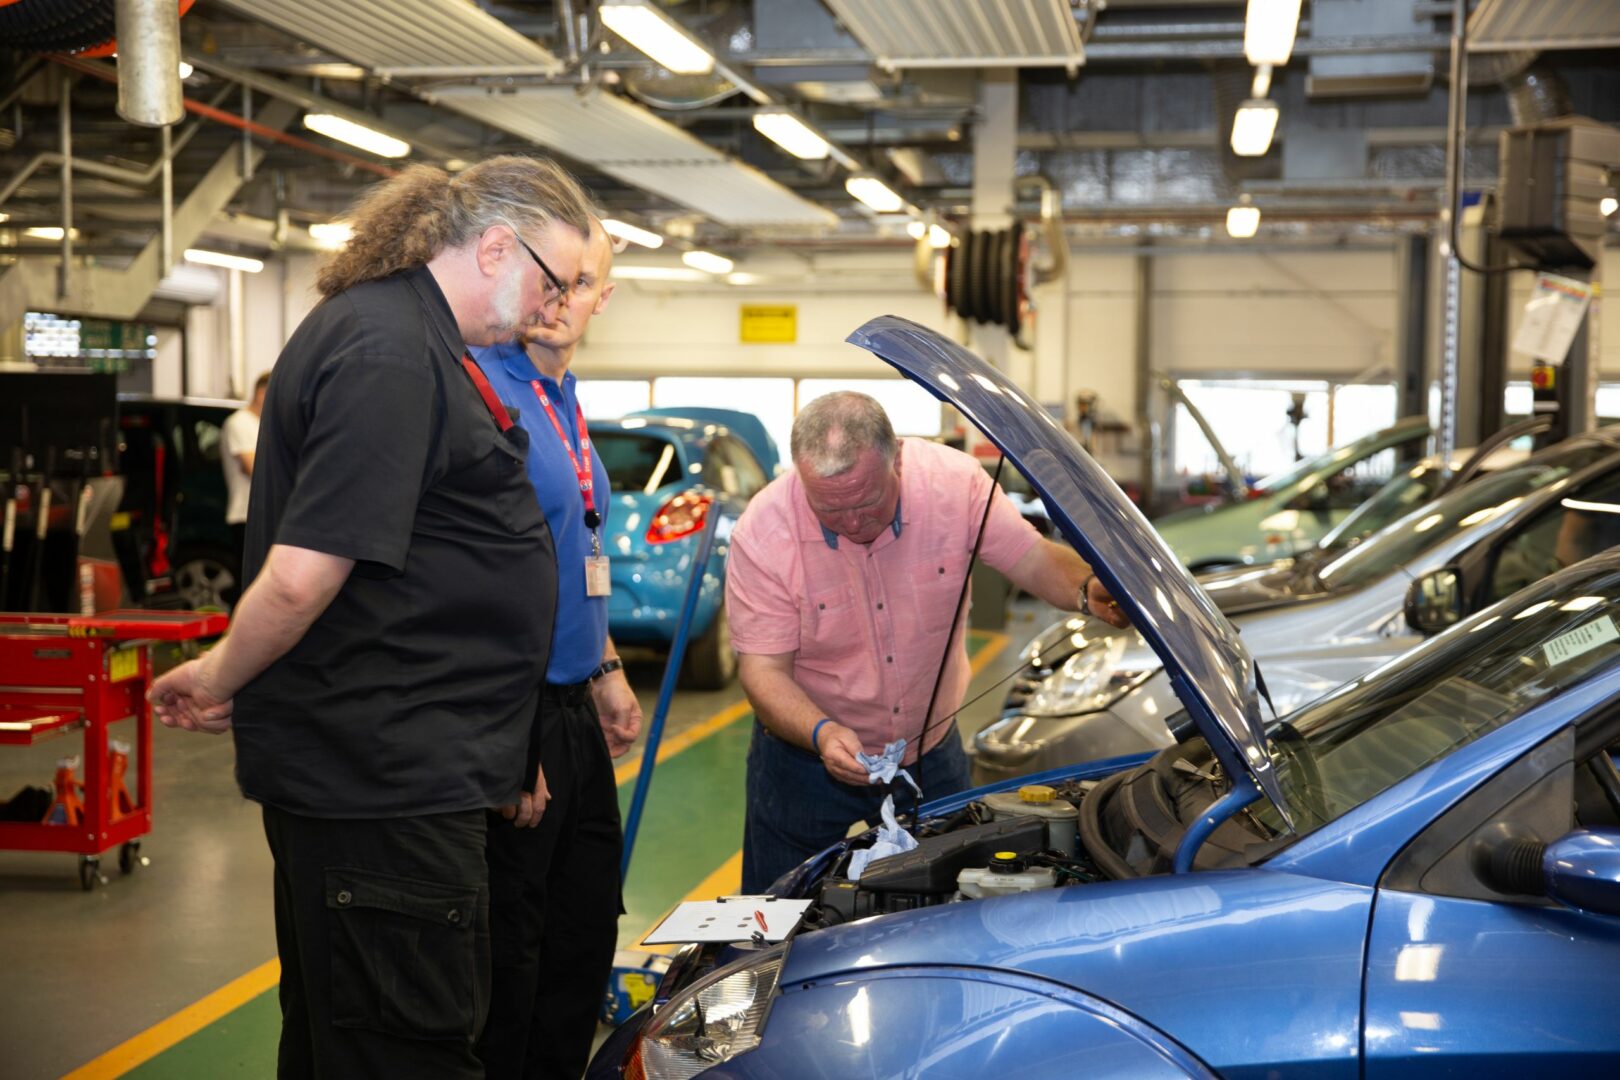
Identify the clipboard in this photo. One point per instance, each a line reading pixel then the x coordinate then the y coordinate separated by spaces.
pixel 729 918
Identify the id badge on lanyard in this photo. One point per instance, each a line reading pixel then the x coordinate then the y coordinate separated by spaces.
pixel 598 568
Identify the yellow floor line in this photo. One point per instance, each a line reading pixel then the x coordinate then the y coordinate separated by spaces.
pixel 183 1024
pixel 725 881
pixel 676 743
pixel 988 651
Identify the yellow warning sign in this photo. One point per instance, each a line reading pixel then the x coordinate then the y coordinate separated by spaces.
pixel 769 324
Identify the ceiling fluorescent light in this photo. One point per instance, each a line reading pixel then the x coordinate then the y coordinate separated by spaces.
pixel 917 229
pixel 220 259
pixel 47 232
pixel 1608 205
pixel 186 70
pixel 624 272
pixel 660 37
pixel 791 134
pixel 374 142
pixel 1242 222
pixel 874 193
pixel 708 262
pixel 1253 127
pixel 331 234
pixel 939 236
pixel 742 277
pixel 624 231
pixel 1268 31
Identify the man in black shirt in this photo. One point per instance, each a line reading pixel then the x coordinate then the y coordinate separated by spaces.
pixel 383 666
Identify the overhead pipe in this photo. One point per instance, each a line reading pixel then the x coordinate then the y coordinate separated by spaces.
pixel 1057 242
pixel 65 131
pixel 197 108
pixel 149 62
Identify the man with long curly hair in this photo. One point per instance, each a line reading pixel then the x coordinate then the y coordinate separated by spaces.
pixel 383 666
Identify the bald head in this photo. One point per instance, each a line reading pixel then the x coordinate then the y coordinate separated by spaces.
pixel 587 297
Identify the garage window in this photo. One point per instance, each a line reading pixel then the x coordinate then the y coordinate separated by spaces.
pixel 912 410
pixel 609 399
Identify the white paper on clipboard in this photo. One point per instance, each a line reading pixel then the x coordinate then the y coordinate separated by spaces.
pixel 728 918
pixel 1552 317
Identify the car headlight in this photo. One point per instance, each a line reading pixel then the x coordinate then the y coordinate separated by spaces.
pixel 710 1022
pixel 1089 680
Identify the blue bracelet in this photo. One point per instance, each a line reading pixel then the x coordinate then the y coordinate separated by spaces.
pixel 815 733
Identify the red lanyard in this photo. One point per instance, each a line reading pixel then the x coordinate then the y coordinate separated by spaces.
pixel 582 472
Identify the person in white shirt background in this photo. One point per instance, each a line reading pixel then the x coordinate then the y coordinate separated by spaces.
pixel 240 437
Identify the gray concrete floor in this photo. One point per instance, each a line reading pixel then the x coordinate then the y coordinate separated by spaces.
pixel 87 970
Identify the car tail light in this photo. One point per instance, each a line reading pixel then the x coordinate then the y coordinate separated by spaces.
pixel 679 517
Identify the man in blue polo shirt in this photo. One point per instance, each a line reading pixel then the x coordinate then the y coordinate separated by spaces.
pixel 554 889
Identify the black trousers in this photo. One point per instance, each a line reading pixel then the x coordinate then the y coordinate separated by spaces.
pixel 555 905
pixel 383 931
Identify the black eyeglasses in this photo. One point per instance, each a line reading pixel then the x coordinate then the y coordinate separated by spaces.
pixel 562 290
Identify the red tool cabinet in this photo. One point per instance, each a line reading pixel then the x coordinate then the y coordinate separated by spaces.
pixel 88 673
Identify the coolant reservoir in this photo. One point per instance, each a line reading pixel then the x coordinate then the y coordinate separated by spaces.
pixel 1006 874
pixel 1038 800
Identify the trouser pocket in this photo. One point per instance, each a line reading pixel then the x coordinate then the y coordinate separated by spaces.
pixel 404 954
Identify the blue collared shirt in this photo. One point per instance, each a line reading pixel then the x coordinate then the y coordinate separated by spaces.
pixel 581 626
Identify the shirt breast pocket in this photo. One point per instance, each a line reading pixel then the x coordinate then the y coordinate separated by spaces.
pixel 826 617
pixel 498 476
pixel 935 589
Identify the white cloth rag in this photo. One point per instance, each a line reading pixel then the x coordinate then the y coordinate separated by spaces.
pixel 891 840
pixel 882 768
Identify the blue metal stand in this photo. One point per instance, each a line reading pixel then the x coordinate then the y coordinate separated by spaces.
pixel 666 692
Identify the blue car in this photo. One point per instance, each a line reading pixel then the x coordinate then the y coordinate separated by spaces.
pixel 669 469
pixel 1417 875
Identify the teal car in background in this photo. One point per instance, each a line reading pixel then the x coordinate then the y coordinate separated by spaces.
pixel 1289 512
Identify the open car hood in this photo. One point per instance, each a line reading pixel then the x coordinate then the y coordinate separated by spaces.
pixel 1212 672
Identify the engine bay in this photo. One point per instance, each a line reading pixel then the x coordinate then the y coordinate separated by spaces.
pixel 1077 832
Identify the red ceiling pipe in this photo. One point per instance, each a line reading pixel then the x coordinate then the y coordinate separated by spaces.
pixel 230 119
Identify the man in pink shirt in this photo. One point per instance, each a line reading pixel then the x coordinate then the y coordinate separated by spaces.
pixel 841 593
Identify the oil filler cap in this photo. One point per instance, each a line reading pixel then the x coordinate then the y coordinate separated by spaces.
pixel 1036 793
pixel 1006 862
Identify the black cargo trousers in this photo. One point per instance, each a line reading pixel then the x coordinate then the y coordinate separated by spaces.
pixel 383 930
pixel 555 902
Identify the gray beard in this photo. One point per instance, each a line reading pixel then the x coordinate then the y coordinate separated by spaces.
pixel 507 306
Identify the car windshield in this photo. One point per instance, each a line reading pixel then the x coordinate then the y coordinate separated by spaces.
pixel 636 463
pixel 1365 737
pixel 1405 493
pixel 1330 460
pixel 1470 505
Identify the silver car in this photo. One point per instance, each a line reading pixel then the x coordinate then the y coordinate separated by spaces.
pixel 1089 691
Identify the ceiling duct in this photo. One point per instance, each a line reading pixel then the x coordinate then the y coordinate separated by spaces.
pixel 965 33
pixel 395 34
pixel 1503 25
pixel 631 144
pixel 1367 73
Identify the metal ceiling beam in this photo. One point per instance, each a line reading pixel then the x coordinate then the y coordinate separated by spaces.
pixel 313 102
pixel 105 293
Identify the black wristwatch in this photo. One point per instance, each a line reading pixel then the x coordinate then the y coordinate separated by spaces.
pixel 614 664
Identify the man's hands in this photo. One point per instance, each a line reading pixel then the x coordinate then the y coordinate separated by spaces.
pixel 1099 602
pixel 838 746
pixel 185 698
pixel 618 710
pixel 531 805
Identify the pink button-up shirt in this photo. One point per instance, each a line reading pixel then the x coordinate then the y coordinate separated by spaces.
pixel 867 624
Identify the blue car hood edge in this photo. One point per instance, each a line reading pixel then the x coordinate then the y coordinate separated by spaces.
pixel 1209 668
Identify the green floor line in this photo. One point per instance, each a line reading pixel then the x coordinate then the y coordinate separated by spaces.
pixel 692 824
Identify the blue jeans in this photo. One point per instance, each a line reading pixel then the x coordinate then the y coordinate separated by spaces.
pixel 795 809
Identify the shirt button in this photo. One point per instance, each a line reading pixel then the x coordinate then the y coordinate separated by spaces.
pixel 897 708
pixel 942 569
pixel 823 607
pixel 454 916
pixel 343 898
pixel 890 659
pixel 880 605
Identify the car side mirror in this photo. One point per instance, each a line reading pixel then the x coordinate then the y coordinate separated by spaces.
pixel 1434 601
pixel 1580 870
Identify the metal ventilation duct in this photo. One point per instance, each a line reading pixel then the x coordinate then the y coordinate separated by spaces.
pixel 965 33
pixel 401 33
pixel 631 144
pixel 1502 25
